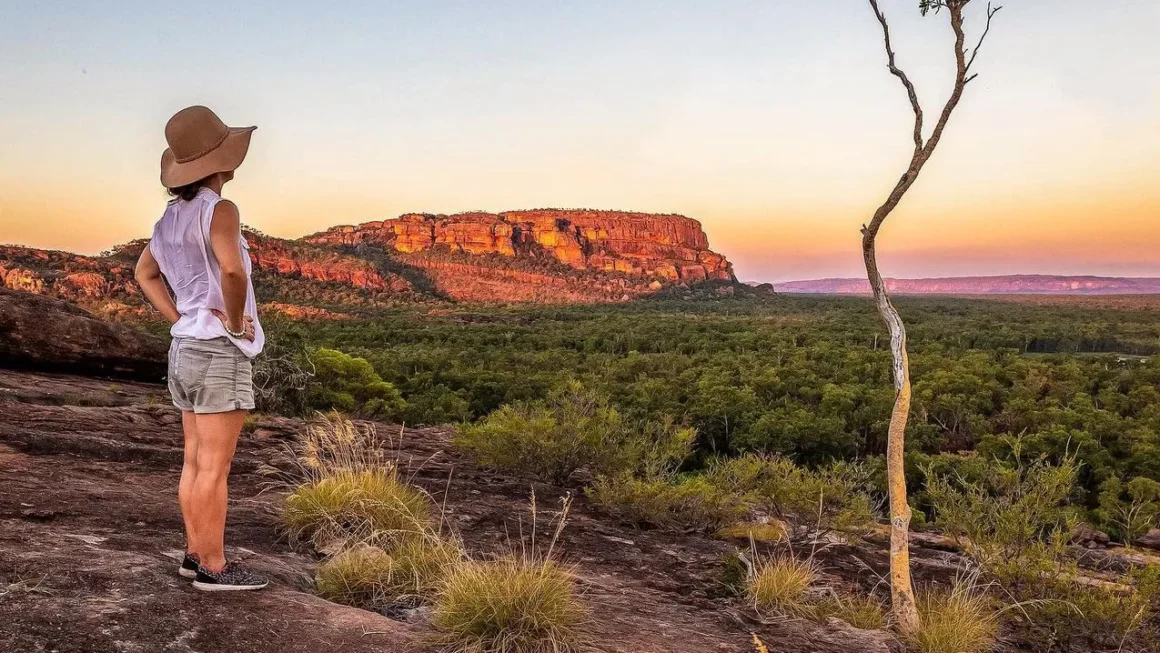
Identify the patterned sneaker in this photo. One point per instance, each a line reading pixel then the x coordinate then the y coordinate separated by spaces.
pixel 189 565
pixel 231 578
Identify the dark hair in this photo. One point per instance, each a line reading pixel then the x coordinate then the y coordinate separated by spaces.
pixel 188 191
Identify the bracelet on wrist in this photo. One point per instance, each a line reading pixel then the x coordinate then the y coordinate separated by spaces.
pixel 236 334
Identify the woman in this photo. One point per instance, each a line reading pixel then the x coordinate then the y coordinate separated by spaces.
pixel 198 249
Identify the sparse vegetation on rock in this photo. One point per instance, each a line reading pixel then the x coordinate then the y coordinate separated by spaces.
pixel 962 620
pixel 388 574
pixel 779 584
pixel 517 604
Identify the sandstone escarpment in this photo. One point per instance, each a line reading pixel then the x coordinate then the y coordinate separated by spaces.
pixel 669 248
pixel 105 283
pixel 293 259
pixel 541 256
pixel 65 275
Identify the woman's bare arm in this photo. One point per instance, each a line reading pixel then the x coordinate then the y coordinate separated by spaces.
pixel 148 275
pixel 225 231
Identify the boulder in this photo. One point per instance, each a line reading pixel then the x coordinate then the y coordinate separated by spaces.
pixel 1089 536
pixel 1149 540
pixel 38 332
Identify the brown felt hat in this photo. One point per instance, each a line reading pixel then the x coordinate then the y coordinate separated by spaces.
pixel 200 145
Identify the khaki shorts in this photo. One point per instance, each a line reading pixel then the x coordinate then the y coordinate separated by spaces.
pixel 210 376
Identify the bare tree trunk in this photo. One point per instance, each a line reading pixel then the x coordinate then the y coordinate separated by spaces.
pixel 901 586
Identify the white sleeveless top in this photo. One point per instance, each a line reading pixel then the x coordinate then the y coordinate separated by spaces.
pixel 181 246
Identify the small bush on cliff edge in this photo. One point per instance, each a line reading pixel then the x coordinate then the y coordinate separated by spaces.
pixel 573 428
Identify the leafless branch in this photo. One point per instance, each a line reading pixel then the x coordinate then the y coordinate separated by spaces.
pixel 897 72
pixel 990 14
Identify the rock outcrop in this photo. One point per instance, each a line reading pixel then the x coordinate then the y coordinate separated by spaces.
pixel 105 283
pixel 45 333
pixel 671 248
pixel 288 258
pixel 541 256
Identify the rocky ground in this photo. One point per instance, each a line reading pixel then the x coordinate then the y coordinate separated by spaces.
pixel 90 541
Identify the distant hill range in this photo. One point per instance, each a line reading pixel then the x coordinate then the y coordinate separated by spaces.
pixel 538 256
pixel 1011 284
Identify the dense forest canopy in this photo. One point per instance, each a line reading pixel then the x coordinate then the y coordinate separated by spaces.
pixel 805 377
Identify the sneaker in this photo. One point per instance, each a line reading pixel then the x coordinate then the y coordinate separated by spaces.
pixel 189 565
pixel 231 578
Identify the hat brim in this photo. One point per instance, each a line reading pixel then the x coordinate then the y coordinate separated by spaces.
pixel 225 157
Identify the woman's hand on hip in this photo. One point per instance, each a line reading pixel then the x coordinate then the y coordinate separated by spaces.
pixel 247 324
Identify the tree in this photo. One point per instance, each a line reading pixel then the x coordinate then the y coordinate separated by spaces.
pixel 902 589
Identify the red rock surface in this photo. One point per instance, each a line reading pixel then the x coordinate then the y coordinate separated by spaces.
pixel 52 334
pixel 297 312
pixel 667 247
pixel 105 283
pixel 90 537
pixel 290 258
pixel 543 256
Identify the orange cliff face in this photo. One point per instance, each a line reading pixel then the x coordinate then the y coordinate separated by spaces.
pixel 669 248
pixel 540 256
pixel 291 259
pixel 106 282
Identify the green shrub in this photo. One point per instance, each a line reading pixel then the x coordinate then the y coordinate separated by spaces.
pixel 284 372
pixel 1015 524
pixel 668 502
pixel 349 384
pixel 510 605
pixel 1128 510
pixel 1083 613
pixel 1009 519
pixel 573 428
pixel 830 497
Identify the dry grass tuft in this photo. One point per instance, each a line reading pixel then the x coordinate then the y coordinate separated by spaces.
pixel 517 604
pixel 348 488
pixel 357 505
pixel 865 612
pixel 960 621
pixel 524 602
pixel 368 577
pixel 333 444
pixel 779 584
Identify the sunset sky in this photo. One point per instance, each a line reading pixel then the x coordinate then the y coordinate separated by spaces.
pixel 773 122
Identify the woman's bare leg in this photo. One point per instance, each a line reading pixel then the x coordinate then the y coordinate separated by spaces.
pixel 217 437
pixel 188 478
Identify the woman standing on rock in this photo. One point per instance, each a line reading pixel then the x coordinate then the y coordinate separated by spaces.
pixel 198 249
